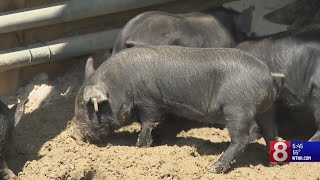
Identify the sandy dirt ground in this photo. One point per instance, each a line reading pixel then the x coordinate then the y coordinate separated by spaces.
pixel 43 149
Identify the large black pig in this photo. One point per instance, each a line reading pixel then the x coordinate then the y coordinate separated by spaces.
pixel 217 27
pixel 9 118
pixel 217 86
pixel 296 54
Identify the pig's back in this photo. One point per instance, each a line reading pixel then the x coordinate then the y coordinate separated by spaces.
pixel 171 57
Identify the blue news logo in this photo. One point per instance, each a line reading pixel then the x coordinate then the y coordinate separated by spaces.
pixel 289 151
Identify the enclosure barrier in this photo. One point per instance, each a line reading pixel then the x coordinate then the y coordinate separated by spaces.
pixel 58 13
pixel 56 50
pixel 68 11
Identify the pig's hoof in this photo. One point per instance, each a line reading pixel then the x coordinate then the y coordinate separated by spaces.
pixel 280 139
pixel 77 135
pixel 273 164
pixel 218 168
pixel 8 174
pixel 143 144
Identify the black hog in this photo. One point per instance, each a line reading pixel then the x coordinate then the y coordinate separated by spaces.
pixel 9 118
pixel 217 86
pixel 217 27
pixel 296 54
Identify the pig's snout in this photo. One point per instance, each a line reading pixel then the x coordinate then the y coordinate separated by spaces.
pixel 77 135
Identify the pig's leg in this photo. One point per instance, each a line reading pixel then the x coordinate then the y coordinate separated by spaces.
pixel 314 104
pixel 149 120
pixel 5 172
pixel 255 132
pixel 316 136
pixel 238 125
pixel 145 136
pixel 268 126
pixel 316 111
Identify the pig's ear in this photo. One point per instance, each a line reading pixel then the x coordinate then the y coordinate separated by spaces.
pixel 280 16
pixel 244 20
pixel 19 111
pixel 89 70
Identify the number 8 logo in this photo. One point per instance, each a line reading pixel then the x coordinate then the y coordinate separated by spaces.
pixel 280 151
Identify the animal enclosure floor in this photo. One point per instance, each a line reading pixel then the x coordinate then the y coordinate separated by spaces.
pixel 43 149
